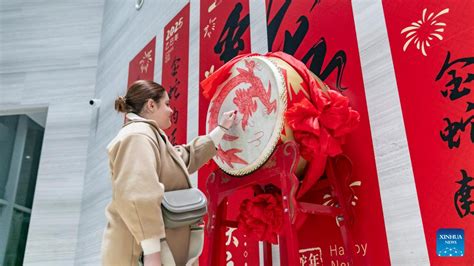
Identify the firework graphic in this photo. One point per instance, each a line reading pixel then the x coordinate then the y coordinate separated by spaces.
pixel 145 61
pixel 330 201
pixel 210 27
pixel 421 32
pixel 209 72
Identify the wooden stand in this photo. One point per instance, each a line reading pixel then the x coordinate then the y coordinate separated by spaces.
pixel 279 171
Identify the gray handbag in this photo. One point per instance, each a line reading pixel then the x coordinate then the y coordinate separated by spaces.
pixel 183 207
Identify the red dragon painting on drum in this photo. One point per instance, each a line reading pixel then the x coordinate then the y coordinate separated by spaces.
pixel 252 86
pixel 272 108
pixel 245 100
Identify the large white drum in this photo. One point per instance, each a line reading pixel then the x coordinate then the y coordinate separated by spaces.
pixel 256 88
pixel 278 100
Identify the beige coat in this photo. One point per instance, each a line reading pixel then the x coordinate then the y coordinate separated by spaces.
pixel 143 165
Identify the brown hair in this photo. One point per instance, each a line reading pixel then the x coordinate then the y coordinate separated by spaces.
pixel 137 95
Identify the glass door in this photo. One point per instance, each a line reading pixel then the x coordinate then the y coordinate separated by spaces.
pixel 21 140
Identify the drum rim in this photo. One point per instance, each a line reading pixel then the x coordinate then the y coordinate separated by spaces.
pixel 279 124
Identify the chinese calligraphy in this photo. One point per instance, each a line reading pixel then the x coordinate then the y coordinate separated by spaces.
pixel 456 81
pixel 292 42
pixel 230 41
pixel 311 257
pixel 172 36
pixel 230 239
pixel 459 76
pixel 463 198
pixel 452 129
pixel 174 94
pixel 450 133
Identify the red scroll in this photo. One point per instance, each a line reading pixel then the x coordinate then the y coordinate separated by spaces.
pixel 433 57
pixel 175 73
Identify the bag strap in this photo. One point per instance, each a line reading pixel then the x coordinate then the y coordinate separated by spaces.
pixel 164 139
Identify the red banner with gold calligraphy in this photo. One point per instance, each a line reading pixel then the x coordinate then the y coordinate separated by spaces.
pixel 175 73
pixel 224 33
pixel 322 35
pixel 142 65
pixel 432 50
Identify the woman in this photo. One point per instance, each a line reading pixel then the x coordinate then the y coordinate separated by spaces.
pixel 143 165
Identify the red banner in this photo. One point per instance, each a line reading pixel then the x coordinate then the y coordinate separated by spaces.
pixel 142 65
pixel 224 33
pixel 175 73
pixel 433 57
pixel 322 35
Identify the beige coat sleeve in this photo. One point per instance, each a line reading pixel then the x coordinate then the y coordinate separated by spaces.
pixel 137 190
pixel 197 152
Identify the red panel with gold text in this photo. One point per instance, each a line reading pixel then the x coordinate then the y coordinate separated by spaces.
pixel 432 45
pixel 322 35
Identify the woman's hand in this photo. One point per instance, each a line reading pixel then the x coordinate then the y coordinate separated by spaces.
pixel 153 259
pixel 228 119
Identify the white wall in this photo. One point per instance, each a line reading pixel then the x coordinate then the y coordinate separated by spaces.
pixel 48 60
pixel 125 32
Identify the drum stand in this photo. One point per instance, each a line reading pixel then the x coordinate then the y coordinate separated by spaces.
pixel 279 171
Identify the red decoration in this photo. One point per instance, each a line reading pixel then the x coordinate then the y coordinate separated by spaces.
pixel 320 125
pixel 262 215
